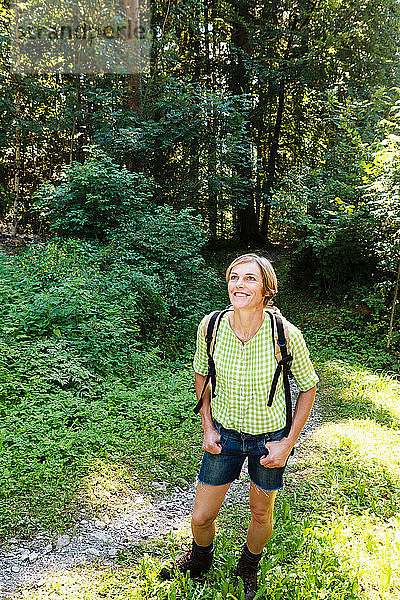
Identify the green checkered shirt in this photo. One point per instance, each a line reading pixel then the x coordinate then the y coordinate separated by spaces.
pixel 245 373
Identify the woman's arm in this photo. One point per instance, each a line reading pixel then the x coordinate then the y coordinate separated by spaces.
pixel 211 435
pixel 278 452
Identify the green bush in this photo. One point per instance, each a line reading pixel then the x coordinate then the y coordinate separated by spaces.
pixel 331 230
pixel 148 287
pixel 341 249
pixel 165 247
pixel 93 197
pixel 145 279
pixel 58 290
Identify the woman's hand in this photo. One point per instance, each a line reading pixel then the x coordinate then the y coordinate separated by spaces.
pixel 211 441
pixel 278 453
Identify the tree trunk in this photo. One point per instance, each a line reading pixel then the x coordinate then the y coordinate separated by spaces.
pixel 212 195
pixel 247 224
pixel 17 177
pixel 134 91
pixel 212 191
pixel 271 167
pixel 71 147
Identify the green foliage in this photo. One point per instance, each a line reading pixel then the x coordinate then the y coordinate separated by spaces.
pixel 194 142
pixel 151 272
pixel 148 286
pixel 59 422
pixel 58 290
pixel 83 325
pixel 354 330
pixel 382 182
pixel 165 247
pixel 332 229
pixel 93 197
pixel 53 263
pixel 343 217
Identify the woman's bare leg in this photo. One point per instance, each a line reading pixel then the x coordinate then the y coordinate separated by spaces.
pixel 209 499
pixel 262 514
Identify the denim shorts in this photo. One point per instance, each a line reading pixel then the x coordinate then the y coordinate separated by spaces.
pixel 223 468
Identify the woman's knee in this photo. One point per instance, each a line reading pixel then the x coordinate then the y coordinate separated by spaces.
pixel 262 514
pixel 201 518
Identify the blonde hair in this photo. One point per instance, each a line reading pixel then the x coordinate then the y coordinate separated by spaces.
pixel 269 280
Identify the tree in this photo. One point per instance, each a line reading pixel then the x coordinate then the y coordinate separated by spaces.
pixel 383 184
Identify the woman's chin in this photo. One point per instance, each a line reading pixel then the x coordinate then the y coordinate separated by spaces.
pixel 239 302
pixel 242 303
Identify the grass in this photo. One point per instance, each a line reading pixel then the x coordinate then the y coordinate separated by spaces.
pixel 350 481
pixel 74 437
pixel 64 450
pixel 337 523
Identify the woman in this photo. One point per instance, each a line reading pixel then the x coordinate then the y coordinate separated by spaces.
pixel 238 422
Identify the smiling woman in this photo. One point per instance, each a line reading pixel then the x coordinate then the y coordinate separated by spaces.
pixel 239 422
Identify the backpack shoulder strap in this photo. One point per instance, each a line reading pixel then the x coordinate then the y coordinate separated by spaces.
pixel 210 331
pixel 280 333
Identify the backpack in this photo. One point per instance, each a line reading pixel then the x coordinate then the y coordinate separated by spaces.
pixel 283 357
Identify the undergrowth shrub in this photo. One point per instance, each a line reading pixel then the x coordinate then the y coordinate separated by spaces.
pixel 93 197
pixel 148 263
pixel 147 287
pixel 331 229
pixel 165 248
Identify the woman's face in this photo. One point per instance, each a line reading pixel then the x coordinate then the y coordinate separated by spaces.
pixel 245 286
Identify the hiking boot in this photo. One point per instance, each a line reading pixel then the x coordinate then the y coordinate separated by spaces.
pixel 247 571
pixel 196 561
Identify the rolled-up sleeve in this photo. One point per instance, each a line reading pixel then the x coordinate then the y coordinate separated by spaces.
pixel 302 367
pixel 200 361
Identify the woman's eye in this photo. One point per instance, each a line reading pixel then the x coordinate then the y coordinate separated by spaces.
pixel 251 278
pixel 233 277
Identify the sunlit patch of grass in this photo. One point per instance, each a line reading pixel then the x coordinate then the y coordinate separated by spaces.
pixel 303 560
pixel 375 548
pixel 134 576
pixel 85 583
pixel 109 486
pixel 363 391
pixel 350 484
pixel 365 441
pixel 357 462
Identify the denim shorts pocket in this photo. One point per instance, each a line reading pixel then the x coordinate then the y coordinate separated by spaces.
pixel 223 438
pixel 275 436
pixel 261 444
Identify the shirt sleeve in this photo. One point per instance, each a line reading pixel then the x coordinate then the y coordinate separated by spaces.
pixel 302 368
pixel 200 361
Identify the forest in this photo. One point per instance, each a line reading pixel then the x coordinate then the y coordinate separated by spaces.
pixel 271 127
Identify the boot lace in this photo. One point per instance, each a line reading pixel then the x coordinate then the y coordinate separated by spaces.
pixel 185 559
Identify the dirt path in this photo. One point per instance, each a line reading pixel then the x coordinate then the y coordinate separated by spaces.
pixel 31 564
